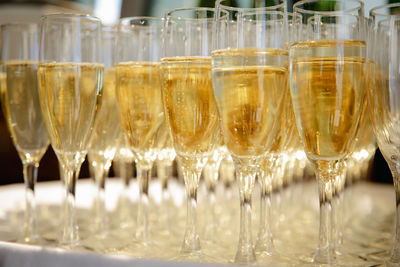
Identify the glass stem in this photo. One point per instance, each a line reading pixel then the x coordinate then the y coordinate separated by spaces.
pixel 191 242
pixel 100 205
pixel 142 229
pixel 265 241
pixel 125 170
pixel 395 254
pixel 211 225
pixel 339 195
pixel 70 234
pixel 30 171
pixel 164 170
pixel 245 252
pixel 326 245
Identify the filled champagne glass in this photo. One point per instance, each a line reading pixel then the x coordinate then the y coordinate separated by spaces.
pixel 139 96
pixel 189 105
pixel 327 63
pixel 21 108
pixel 250 72
pixel 103 142
pixel 70 77
pixel 384 97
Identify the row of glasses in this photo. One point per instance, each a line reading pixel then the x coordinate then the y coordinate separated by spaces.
pixel 249 71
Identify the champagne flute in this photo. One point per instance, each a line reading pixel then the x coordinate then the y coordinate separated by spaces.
pixel 21 107
pixel 102 144
pixel 189 104
pixel 70 82
pixel 384 97
pixel 250 80
pixel 327 66
pixel 139 97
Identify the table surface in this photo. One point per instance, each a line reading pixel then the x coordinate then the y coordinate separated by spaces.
pixel 372 200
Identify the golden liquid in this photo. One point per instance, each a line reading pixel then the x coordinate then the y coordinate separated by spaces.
pixel 327 93
pixel 20 101
pixel 190 105
pixel 69 95
pixel 103 141
pixel 250 86
pixel 286 128
pixel 139 98
pixel 165 148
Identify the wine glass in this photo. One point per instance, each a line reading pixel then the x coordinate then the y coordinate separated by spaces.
pixel 21 108
pixel 102 144
pixel 327 64
pixel 139 97
pixel 70 78
pixel 189 104
pixel 272 174
pixel 384 97
pixel 250 80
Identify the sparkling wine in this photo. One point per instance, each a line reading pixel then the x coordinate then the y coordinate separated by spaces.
pixel 69 96
pixel 104 138
pixel 139 97
pixel 190 105
pixel 250 86
pixel 20 101
pixel 328 80
pixel 165 148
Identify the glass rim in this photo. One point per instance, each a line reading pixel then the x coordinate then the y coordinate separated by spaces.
pixel 240 9
pixel 70 16
pixel 297 9
pixel 125 23
pixel 109 29
pixel 373 12
pixel 19 23
pixel 264 12
pixel 167 14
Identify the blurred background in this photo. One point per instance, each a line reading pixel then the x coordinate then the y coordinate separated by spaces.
pixel 109 11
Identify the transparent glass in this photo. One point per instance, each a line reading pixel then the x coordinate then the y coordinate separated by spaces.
pixel 250 46
pixel 327 62
pixel 189 104
pixel 102 145
pixel 21 108
pixel 70 83
pixel 139 96
pixel 384 97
